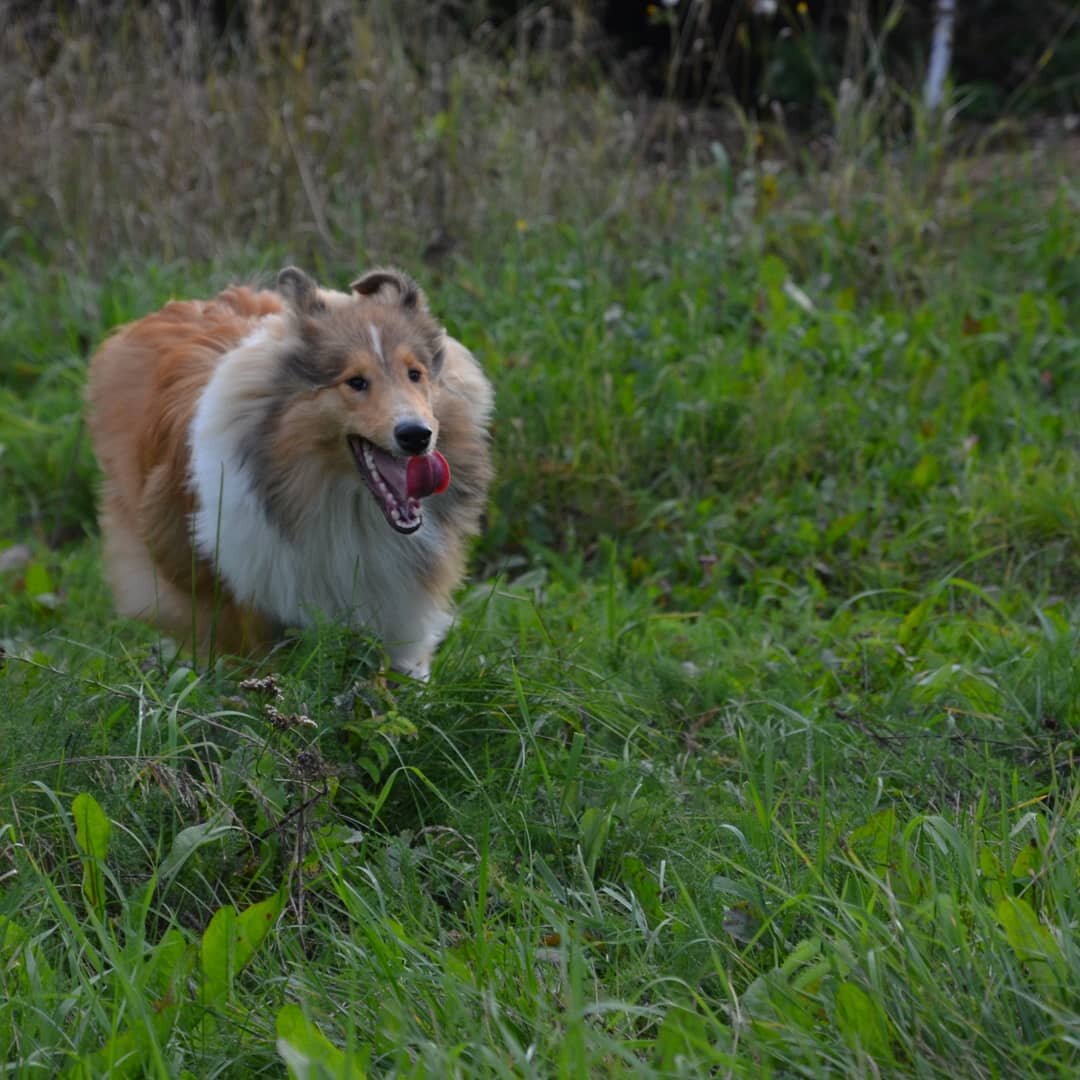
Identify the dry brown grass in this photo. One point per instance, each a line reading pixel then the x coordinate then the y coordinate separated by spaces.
pixel 336 133
pixel 333 129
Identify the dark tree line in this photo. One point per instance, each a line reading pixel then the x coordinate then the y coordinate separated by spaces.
pixel 1007 54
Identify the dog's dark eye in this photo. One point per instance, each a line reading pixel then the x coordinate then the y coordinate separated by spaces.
pixel 357 382
pixel 414 375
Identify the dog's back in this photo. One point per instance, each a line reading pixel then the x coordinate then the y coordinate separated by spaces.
pixel 144 385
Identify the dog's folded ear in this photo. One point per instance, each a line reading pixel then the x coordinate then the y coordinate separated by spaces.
pixel 299 290
pixel 391 283
pixel 439 355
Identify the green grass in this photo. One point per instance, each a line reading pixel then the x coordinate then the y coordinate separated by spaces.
pixel 752 752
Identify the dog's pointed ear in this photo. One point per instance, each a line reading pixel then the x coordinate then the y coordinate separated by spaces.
pixel 299 290
pixel 391 283
pixel 438 355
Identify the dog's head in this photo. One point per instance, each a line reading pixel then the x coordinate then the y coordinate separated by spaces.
pixel 360 382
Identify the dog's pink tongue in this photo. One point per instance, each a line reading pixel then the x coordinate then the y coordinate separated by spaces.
pixel 427 474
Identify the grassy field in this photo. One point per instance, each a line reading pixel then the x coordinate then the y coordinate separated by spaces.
pixel 752 752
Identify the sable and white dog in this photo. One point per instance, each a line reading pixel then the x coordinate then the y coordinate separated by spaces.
pixel 265 455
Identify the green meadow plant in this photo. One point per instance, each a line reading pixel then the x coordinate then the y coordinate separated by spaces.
pixel 752 750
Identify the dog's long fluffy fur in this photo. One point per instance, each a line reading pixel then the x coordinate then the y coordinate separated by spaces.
pixel 254 471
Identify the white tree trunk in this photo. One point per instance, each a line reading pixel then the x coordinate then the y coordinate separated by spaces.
pixel 940 53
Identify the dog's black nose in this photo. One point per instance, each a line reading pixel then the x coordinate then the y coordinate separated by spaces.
pixel 413 437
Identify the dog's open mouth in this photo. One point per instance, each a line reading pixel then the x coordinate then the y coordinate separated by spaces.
pixel 386 476
pixel 399 484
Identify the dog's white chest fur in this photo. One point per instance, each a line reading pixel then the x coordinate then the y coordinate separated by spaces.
pixel 341 560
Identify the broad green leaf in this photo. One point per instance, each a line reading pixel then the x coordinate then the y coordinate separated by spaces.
pixel 1032 942
pixel 21 960
pixel 976 403
pixel 38 581
pixel 992 874
pixel 773 272
pixel 787 992
pixel 1028 315
pixel 915 618
pixel 1053 622
pixel 92 827
pixel 1028 861
pixel 742 921
pixel 942 912
pixel 230 941
pixel 118 1058
pixel 11 936
pixel 682 1035
pixel 877 837
pixel 595 823
pixel 637 876
pixel 862 1020
pixel 92 830
pixel 926 472
pixel 841 526
pixel 168 966
pixel 846 300
pixel 132 1051
pixel 308 1054
pixel 127 1053
pixel 255 922
pixel 186 843
pixel 805 952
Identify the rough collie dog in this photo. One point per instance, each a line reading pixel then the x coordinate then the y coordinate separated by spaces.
pixel 269 456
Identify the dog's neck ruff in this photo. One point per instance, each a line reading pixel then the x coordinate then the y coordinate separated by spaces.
pixel 340 558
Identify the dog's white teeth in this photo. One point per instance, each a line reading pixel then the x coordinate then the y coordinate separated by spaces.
pixel 402 513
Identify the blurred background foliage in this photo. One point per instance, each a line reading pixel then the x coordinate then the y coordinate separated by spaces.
pixel 761 54
pixel 189 129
